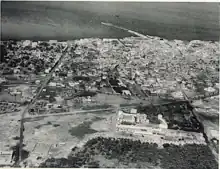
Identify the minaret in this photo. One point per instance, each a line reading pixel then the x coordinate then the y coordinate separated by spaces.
pixel 131 74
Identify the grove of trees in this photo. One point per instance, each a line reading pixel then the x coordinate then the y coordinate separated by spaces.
pixel 190 156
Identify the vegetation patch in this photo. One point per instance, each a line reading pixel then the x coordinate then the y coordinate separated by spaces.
pixel 16 138
pixel 56 125
pixel 82 129
pixel 39 126
pixel 30 119
pixel 190 156
pixel 92 107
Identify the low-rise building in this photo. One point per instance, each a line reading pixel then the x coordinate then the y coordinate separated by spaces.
pixel 178 95
pixel 142 119
pixel 37 82
pixel 52 84
pixel 126 92
pixel 209 89
pixel 26 43
pixel 47 71
pixel 133 111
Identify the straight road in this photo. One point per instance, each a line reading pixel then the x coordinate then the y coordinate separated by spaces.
pixel 69 113
pixel 45 82
pixel 94 110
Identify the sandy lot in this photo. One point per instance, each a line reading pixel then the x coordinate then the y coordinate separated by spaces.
pixel 52 136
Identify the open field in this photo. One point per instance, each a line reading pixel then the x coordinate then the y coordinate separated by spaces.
pixel 54 132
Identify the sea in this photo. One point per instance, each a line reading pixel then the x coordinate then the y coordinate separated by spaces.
pixel 44 20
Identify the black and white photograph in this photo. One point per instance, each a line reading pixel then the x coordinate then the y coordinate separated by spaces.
pixel 109 84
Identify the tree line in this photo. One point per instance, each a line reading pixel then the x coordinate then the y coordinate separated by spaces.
pixel 189 156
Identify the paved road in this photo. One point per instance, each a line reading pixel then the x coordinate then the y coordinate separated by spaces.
pixel 69 113
pixel 93 110
pixel 70 20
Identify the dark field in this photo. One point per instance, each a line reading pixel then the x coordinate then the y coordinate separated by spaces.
pixel 74 20
pixel 82 129
pixel 178 115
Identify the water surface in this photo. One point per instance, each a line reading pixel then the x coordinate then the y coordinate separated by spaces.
pixel 73 20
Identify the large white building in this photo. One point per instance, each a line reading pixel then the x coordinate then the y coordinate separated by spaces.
pixel 135 123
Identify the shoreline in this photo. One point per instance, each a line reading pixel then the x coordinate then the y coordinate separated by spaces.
pixel 108 38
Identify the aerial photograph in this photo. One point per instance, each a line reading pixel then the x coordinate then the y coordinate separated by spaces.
pixel 109 84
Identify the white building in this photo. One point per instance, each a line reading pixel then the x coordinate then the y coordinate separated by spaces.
pixel 16 71
pixel 209 89
pixel 128 119
pixel 47 71
pixel 125 117
pixel 2 79
pixel 160 131
pixel 26 43
pixel 52 41
pixel 178 95
pixel 69 74
pixel 104 77
pixel 34 44
pixel 142 119
pixel 126 92
pixel 71 84
pixel 133 111
pixel 37 82
pixel 52 84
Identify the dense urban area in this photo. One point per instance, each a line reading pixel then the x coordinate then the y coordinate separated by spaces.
pixel 132 102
